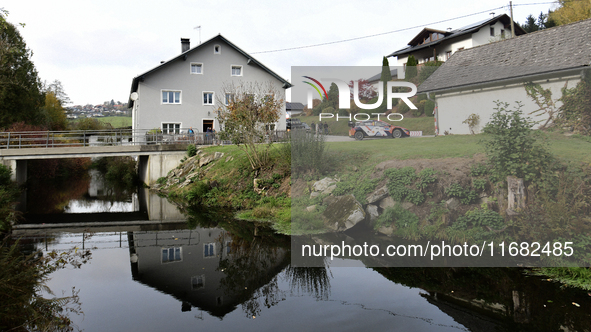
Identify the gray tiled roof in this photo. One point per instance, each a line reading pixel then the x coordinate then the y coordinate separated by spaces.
pixel 555 49
pixel 376 77
pixel 294 106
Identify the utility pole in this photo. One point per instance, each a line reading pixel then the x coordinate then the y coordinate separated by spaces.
pixel 512 24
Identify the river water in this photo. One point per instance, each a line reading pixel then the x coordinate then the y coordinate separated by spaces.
pixel 155 268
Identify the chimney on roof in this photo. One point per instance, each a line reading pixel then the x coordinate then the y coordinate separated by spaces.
pixel 185 45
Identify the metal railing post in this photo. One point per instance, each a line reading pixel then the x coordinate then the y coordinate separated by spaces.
pixel 8 145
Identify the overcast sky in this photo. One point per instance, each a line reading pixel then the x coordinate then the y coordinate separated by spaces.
pixel 95 48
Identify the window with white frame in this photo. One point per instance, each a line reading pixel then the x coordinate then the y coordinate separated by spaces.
pixel 207 98
pixel 198 282
pixel 229 98
pixel 171 128
pixel 173 254
pixel 209 250
pixel 217 49
pixel 171 97
pixel 236 70
pixel 196 68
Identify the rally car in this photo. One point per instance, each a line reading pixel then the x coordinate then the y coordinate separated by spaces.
pixel 376 128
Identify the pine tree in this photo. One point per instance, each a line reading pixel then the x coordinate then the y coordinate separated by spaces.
pixel 411 67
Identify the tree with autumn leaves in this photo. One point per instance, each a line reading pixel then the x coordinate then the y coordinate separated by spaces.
pixel 247 114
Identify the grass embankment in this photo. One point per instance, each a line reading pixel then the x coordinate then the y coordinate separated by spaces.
pixel 341 128
pixel 228 182
pixel 573 150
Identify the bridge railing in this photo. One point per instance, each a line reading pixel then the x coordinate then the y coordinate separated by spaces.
pixel 112 137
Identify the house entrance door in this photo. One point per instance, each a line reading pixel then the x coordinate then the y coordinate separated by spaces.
pixel 207 124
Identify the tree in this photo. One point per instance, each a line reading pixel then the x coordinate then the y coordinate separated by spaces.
pixel 366 90
pixel 542 22
pixel 54 112
pixel 333 97
pixel 571 11
pixel 58 91
pixel 530 24
pixel 411 67
pixel 21 95
pixel 247 118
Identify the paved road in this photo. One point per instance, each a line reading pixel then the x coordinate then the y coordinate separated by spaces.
pixel 333 138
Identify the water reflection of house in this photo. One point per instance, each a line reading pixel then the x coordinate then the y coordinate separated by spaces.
pixel 185 264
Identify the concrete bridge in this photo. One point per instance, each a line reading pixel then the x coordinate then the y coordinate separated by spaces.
pixel 158 153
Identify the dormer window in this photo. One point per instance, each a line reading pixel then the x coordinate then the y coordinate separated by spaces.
pixel 217 49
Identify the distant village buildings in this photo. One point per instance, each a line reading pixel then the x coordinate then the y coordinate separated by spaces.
pixel 92 111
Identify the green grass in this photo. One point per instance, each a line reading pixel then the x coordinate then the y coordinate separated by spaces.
pixel 563 147
pixel 411 148
pixel 115 121
pixel 341 128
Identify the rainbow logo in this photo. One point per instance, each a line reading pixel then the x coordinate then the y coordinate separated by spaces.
pixel 315 87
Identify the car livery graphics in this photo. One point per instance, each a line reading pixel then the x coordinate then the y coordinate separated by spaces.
pixel 377 129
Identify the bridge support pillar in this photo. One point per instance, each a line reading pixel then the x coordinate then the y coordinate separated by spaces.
pixel 19 170
pixel 155 166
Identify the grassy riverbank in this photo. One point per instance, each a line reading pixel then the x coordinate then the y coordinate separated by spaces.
pixel 227 181
pixel 457 162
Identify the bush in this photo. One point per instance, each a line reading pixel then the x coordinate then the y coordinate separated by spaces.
pixel 5 175
pixel 191 150
pixel 401 217
pixel 197 192
pixel 89 124
pixel 479 217
pixel 308 152
pixel 465 196
pixel 328 110
pixel 428 69
pixel 420 109
pixel 403 108
pixel 429 108
pixel 121 171
pixel 343 112
pixel 512 147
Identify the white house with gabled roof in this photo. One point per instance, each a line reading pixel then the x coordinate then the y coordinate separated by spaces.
pixel 474 79
pixel 183 92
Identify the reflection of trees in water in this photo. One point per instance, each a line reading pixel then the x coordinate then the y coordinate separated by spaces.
pixel 314 281
pixel 52 196
pixel 523 299
pixel 250 273
pixel 23 280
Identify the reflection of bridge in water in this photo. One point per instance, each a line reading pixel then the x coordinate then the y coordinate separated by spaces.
pixel 149 212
